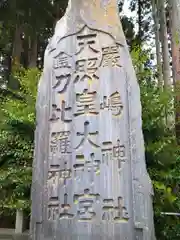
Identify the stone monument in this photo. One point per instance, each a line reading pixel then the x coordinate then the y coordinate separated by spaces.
pixel 89 175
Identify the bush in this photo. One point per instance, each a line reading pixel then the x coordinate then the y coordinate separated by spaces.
pixel 16 141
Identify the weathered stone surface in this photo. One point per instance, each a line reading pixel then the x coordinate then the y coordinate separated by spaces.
pixel 90 179
pixel 10 234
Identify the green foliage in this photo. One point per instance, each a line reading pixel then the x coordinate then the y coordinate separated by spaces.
pixel 17 113
pixel 162 154
pixel 162 151
pixel 16 142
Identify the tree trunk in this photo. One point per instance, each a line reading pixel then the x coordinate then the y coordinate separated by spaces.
pixel 33 53
pixel 17 45
pixel 174 10
pixel 139 38
pixel 164 43
pixel 157 42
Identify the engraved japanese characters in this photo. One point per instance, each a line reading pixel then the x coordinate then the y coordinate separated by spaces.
pixel 89 178
pixel 80 151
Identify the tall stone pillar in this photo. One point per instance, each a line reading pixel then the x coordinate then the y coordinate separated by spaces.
pixel 90 180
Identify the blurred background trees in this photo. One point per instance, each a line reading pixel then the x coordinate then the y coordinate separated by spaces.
pixel 154 41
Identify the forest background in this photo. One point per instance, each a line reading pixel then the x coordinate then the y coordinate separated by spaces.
pixel 153 36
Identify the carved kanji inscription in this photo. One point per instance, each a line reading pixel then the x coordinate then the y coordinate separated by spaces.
pixel 121 211
pixel 60 141
pixel 65 172
pixel 119 153
pixel 87 135
pixel 62 83
pixel 86 69
pixel 114 152
pixel 53 210
pixel 111 56
pixel 116 104
pixel 53 182
pixel 85 203
pixel 113 103
pixel 62 112
pixel 86 103
pixel 88 57
pixel 55 113
pixel 88 66
pixel 107 156
pixel 87 40
pixel 86 162
pixel 65 209
pixel 62 61
pixel 91 164
pixel 114 213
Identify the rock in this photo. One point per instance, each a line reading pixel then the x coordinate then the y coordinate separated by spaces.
pixel 90 179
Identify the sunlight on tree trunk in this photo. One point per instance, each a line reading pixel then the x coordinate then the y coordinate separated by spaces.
pixel 17 45
pixel 157 42
pixel 174 10
pixel 164 43
pixel 33 53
